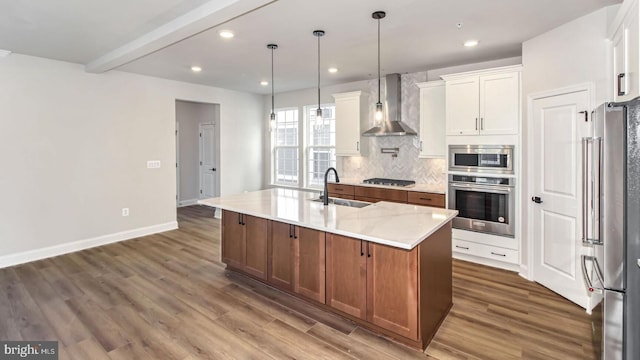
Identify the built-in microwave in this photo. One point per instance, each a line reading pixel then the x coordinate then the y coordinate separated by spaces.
pixel 481 158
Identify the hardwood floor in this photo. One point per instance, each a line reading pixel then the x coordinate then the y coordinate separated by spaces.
pixel 166 297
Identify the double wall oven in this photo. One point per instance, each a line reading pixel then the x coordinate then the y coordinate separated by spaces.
pixel 481 189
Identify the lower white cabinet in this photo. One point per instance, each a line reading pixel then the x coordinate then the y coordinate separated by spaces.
pixel 432 119
pixel 486 251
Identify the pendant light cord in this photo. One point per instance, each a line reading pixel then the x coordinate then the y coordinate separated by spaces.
pixel 318 72
pixel 378 61
pixel 272 86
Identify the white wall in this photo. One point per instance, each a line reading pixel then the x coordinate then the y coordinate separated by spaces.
pixel 189 116
pixel 574 53
pixel 74 147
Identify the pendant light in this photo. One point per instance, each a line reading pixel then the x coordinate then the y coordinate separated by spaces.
pixel 318 34
pixel 379 113
pixel 272 122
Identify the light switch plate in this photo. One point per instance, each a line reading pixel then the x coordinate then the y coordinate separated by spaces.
pixel 153 164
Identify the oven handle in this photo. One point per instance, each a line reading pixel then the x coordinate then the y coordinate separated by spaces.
pixel 494 189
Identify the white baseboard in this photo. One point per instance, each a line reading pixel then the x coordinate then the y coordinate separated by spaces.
pixel 487 262
pixel 188 202
pixel 51 251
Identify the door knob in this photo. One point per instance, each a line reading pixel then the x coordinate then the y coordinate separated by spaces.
pixel 536 199
pixel 213 169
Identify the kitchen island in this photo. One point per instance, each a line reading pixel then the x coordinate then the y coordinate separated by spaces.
pixel 386 266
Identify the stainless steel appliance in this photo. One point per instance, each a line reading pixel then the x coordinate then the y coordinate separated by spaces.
pixel 496 159
pixel 611 226
pixel 484 203
pixel 390 182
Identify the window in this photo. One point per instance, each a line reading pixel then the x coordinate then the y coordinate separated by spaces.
pixel 321 144
pixel 314 138
pixel 284 137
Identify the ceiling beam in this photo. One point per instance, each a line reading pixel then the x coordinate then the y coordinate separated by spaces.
pixel 202 18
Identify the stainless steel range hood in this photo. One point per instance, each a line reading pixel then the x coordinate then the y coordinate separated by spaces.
pixel 393 125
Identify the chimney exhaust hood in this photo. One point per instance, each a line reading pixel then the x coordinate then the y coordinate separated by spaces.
pixel 392 125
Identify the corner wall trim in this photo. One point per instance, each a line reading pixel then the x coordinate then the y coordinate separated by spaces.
pixel 66 248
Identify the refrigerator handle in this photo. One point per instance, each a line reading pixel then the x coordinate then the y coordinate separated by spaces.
pixel 597 189
pixel 585 273
pixel 585 191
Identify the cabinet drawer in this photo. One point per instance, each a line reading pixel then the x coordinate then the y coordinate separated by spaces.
pixel 485 251
pixel 426 199
pixel 382 194
pixel 340 189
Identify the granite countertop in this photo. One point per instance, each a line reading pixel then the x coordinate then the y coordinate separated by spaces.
pixel 399 225
pixel 430 188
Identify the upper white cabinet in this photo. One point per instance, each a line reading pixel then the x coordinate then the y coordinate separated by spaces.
pixel 624 47
pixel 351 121
pixel 483 102
pixel 432 119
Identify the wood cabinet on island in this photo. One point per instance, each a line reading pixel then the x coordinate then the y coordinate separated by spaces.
pixel 386 266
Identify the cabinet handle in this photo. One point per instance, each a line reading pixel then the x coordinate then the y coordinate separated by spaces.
pixel 290 236
pixel 620 91
pixel 242 218
pixel 427 199
pixel 357 145
pixel 462 247
pixel 338 189
pixel 420 145
pixel 368 251
pixel 476 123
pixel 481 123
pixel 361 251
pixel 497 254
pixel 294 232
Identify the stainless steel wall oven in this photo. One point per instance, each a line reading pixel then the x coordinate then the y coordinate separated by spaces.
pixel 485 203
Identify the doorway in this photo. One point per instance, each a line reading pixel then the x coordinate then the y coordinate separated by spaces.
pixel 197 151
pixel 559 122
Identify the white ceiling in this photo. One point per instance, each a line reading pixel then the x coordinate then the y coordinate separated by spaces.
pixel 416 35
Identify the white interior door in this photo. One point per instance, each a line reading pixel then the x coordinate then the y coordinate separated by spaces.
pixel 558 128
pixel 207 161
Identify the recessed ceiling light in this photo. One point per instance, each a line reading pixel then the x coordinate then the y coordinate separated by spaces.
pixel 264 83
pixel 227 34
pixel 333 70
pixel 471 43
pixel 196 68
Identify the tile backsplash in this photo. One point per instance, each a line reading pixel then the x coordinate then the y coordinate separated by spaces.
pixel 406 165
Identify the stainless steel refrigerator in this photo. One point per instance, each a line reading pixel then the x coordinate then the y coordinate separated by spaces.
pixel 611 228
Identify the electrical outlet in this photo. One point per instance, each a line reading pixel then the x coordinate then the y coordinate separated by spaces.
pixel 125 211
pixel 153 164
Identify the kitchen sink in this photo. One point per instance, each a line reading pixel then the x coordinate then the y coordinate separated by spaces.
pixel 344 202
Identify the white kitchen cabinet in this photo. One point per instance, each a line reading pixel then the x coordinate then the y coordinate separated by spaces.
pixel 432 119
pixel 624 47
pixel 483 102
pixel 351 122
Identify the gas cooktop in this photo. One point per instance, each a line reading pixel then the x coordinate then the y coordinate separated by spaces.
pixel 390 182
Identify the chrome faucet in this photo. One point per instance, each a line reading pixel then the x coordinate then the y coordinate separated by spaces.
pixel 325 197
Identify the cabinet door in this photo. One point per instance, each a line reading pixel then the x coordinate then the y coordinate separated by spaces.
pixel 281 255
pixel 309 263
pixel 625 58
pixel 499 103
pixel 256 235
pixel 462 106
pixel 392 289
pixel 348 126
pixel 346 275
pixel 432 120
pixel 232 239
